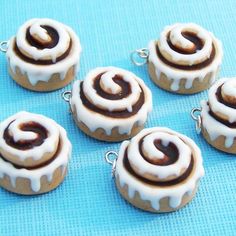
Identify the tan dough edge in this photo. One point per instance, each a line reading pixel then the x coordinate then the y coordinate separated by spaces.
pixel 165 83
pixel 29 162
pixel 100 133
pixel 23 185
pixel 54 82
pixel 219 142
pixel 146 205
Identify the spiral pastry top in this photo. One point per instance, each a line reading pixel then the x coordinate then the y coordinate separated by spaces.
pixel 159 163
pixel 219 113
pixel 110 98
pixel 32 146
pixel 43 47
pixel 185 51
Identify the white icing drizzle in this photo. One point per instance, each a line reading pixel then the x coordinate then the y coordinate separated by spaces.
pixel 143 167
pixel 115 105
pixel 95 120
pixel 17 134
pixel 108 84
pixel 177 39
pixel 228 88
pixel 37 72
pixel 153 193
pixel 214 127
pixel 35 175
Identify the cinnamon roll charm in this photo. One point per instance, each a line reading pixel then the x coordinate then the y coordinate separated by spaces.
pixel 34 153
pixel 111 104
pixel 158 170
pixel 44 55
pixel 186 58
pixel 217 116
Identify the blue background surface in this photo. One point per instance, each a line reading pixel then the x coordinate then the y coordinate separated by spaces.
pixel 87 203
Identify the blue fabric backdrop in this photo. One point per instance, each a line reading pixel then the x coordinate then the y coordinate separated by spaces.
pixel 87 203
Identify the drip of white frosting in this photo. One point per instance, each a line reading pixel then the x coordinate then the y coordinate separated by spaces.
pixel 143 167
pixel 228 88
pixel 36 72
pixel 96 120
pixel 153 193
pixel 35 175
pixel 17 134
pixel 176 75
pixel 215 128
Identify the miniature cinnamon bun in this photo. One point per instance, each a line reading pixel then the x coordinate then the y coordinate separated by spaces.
pixel 34 153
pixel 218 115
pixel 158 170
pixel 44 55
pixel 186 59
pixel 111 104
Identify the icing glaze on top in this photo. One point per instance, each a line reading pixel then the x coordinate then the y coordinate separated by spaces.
pixel 218 115
pixel 13 125
pixel 216 128
pixel 154 193
pixel 42 46
pixel 178 39
pixel 142 166
pixel 228 88
pixel 109 84
pixel 177 49
pixel 111 99
pixel 35 175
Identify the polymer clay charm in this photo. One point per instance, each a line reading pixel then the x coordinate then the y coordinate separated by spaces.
pixel 216 118
pixel 185 59
pixel 111 104
pixel 43 56
pixel 34 153
pixel 158 170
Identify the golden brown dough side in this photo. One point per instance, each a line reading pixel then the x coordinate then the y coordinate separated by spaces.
pixel 146 206
pixel 23 185
pixel 165 83
pixel 54 82
pixel 219 142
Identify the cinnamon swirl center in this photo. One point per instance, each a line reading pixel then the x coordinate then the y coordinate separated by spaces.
pixel 34 127
pixel 186 67
pixel 197 43
pixel 41 61
pixel 125 91
pixel 169 183
pixel 170 151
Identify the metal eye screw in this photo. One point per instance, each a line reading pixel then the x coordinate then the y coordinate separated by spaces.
pixel 143 53
pixel 4 46
pixel 66 96
pixel 197 119
pixel 111 161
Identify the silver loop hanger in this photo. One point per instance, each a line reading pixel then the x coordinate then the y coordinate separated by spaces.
pixel 195 114
pixel 4 46
pixel 111 158
pixel 142 54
